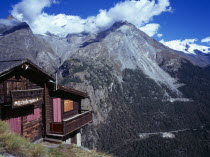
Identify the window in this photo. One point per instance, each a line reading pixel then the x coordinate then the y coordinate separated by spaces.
pixel 68 105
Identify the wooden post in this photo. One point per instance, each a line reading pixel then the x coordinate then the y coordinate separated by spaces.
pixel 79 139
pixel 56 81
pixel 0 112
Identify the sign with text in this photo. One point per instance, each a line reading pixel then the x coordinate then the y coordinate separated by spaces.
pixel 22 98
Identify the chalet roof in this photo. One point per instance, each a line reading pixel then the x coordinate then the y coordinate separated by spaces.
pixel 8 65
pixel 73 91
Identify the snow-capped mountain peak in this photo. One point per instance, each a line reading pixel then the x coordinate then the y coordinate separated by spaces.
pixel 187 46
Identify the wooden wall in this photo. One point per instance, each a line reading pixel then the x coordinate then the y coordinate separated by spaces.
pixel 32 124
pixel 31 116
pixel 48 109
pixel 15 83
pixel 33 128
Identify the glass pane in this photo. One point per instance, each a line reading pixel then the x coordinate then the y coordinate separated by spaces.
pixel 68 105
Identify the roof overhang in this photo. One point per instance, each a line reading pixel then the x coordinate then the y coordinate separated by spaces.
pixel 25 64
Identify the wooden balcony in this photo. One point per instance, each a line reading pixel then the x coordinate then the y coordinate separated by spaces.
pixel 71 124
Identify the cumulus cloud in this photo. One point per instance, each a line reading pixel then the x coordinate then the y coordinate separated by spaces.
pixel 30 10
pixel 206 40
pixel 189 41
pixel 9 23
pixel 150 29
pixel 187 46
pixel 137 12
pixel 159 35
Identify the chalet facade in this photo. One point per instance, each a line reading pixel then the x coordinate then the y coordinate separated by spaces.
pixel 36 107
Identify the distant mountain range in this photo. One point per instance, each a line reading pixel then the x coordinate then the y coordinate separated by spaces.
pixel 187 46
pixel 136 85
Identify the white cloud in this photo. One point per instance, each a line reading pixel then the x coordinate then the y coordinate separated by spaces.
pixel 159 35
pixel 187 46
pixel 9 23
pixel 189 41
pixel 29 10
pixel 150 29
pixel 206 40
pixel 137 12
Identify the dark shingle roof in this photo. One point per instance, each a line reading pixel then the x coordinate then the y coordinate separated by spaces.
pixel 73 91
pixel 8 65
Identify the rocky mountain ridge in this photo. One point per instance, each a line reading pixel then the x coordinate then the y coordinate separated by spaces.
pixel 136 84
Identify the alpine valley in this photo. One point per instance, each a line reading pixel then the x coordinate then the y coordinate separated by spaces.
pixel 148 100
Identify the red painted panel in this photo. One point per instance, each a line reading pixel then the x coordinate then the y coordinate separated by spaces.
pixel 15 125
pixel 57 110
pixel 35 115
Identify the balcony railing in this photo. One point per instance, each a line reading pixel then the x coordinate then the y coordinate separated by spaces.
pixel 71 124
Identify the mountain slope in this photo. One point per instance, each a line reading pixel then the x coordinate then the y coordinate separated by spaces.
pixel 136 86
pixel 18 41
pixel 124 46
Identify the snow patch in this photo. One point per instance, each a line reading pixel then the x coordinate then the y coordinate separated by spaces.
pixel 110 87
pixel 187 46
pixel 168 135
pixel 179 99
pixel 143 136
pixel 206 40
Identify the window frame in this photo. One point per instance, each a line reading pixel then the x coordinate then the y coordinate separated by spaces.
pixel 73 108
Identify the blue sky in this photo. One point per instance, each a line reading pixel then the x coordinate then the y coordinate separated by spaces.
pixel 189 19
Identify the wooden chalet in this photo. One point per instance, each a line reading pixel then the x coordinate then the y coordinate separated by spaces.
pixel 36 107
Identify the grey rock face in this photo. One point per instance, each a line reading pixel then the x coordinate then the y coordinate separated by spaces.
pixel 201 59
pixel 65 47
pixel 136 84
pixel 19 42
pixel 124 46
